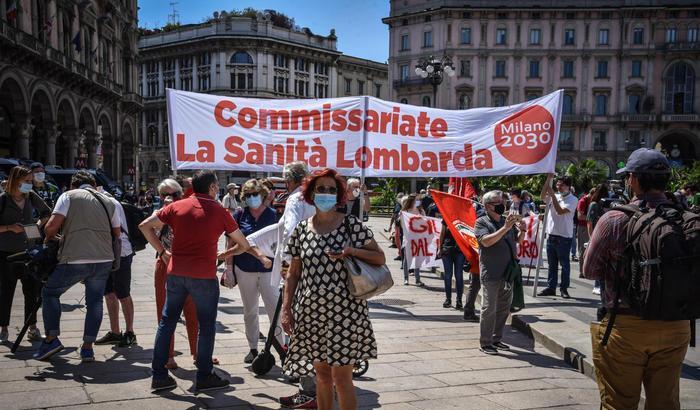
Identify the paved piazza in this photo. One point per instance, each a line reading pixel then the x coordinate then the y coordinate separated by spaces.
pixel 428 359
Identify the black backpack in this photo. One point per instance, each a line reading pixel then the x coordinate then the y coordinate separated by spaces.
pixel 134 217
pixel 660 267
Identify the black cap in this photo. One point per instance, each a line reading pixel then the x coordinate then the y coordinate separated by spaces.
pixel 648 161
pixel 36 165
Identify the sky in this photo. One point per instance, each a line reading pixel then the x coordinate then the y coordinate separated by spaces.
pixel 358 23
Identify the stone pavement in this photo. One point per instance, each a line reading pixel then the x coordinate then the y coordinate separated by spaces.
pixel 428 359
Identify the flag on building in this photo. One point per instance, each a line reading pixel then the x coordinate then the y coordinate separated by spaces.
pixel 11 12
pixel 460 216
pixel 77 43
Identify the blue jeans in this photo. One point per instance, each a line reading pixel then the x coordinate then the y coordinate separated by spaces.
pixel 558 249
pixel 205 295
pixel 404 266
pixel 63 278
pixel 453 262
pixel 573 240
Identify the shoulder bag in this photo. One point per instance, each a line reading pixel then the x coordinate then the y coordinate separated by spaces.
pixel 116 240
pixel 365 280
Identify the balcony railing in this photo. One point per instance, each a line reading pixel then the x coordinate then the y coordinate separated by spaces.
pixel 600 147
pixel 680 118
pixel 679 46
pixel 410 81
pixel 628 117
pixel 582 118
pixel 133 98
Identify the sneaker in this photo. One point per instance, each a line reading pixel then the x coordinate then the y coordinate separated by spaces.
pixel 405 282
pixel 110 338
pixel 87 355
pixel 211 382
pixel 47 350
pixel 128 339
pixel 596 290
pixel 447 304
pixel 250 356
pixel 398 258
pixel 420 284
pixel 34 335
pixel 501 345
pixel 488 349
pixel 458 305
pixel 4 336
pixel 297 400
pixel 162 384
pixel 471 317
pixel 547 292
pixel 565 294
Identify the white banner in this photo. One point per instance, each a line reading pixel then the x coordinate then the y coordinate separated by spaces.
pixel 529 249
pixel 421 236
pixel 353 134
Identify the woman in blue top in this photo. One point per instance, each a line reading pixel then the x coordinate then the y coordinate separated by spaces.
pixel 253 274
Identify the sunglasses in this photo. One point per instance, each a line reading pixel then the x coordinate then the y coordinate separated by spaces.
pixel 250 194
pixel 322 189
pixel 173 194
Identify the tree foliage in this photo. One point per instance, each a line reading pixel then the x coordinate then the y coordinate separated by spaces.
pixel 586 174
pixel 689 174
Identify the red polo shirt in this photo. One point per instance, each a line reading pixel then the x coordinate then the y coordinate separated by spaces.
pixel 197 223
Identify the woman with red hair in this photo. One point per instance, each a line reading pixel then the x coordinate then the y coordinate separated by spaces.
pixel 330 328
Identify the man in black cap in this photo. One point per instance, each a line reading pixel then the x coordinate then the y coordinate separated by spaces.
pixel 46 190
pixel 648 352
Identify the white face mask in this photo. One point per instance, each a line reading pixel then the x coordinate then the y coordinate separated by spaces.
pixel 40 176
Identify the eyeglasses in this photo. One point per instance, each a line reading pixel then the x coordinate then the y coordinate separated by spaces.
pixel 322 189
pixel 173 194
pixel 250 194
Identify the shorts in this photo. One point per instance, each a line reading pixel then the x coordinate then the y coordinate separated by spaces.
pixel 119 281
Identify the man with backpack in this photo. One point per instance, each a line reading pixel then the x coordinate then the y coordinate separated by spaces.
pixel 646 254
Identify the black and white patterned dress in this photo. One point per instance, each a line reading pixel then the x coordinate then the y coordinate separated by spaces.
pixel 331 325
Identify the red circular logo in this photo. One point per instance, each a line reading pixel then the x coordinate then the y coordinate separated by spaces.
pixel 526 136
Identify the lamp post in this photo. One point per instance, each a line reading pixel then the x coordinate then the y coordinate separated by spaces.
pixel 434 70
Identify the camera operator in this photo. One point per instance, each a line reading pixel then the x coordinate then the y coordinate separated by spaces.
pixel 88 221
pixel 17 207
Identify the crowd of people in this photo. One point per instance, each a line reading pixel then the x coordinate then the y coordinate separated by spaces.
pixel 323 328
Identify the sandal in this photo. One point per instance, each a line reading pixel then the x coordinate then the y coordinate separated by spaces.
pixel 171 364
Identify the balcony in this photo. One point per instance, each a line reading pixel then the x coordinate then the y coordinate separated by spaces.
pixel 405 82
pixel 680 118
pixel 581 118
pixel 600 147
pixel 644 118
pixel 679 46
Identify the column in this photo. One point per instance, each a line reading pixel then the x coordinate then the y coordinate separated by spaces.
pixel 160 140
pixel 118 159
pixel 195 76
pixel 213 80
pixel 161 89
pixel 52 135
pixel 144 84
pixel 177 73
pixel 71 136
pixel 91 145
pixel 23 131
pixel 312 79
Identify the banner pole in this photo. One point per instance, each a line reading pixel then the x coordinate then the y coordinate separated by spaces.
pixel 364 160
pixel 541 251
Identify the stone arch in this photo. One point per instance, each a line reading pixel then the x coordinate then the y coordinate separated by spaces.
pixel 68 125
pixel 49 110
pixel 12 83
pixel 687 141
pixel 241 57
pixel 42 119
pixel 86 118
pixel 14 104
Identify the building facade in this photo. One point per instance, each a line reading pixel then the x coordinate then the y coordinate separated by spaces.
pixel 242 57
pixel 68 90
pixel 629 68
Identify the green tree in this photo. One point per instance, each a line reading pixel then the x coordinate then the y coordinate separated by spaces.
pixel 689 174
pixel 586 174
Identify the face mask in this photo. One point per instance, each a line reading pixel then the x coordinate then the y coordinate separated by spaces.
pixel 500 209
pixel 356 193
pixel 325 202
pixel 254 202
pixel 39 177
pixel 25 188
pixel 417 204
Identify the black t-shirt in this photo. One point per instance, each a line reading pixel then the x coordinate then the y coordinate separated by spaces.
pixel 448 243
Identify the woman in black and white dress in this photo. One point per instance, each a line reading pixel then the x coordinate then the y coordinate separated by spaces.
pixel 330 328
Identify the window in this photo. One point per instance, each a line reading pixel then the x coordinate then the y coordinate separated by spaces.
pixel 204 81
pixel 466 15
pixel 599 140
pixel 204 59
pixel 602 69
pixel 464 102
pixel 499 99
pixel 403 72
pixel 535 15
pixel 569 37
pixel 404 101
pixel 301 64
pixel 500 68
pixel 348 85
pixel 360 87
pixel 603 37
pixel 465 35
pixel 241 81
pixel 501 35
pixel 534 69
pixel 301 87
pixel 320 68
pixel 605 15
pixel 571 16
pixel 281 61
pixel 636 68
pixel 532 95
pixel 449 33
pixel 465 68
pixel 601 104
pixel 535 36
pixel 692 35
pixel 427 39
pixel 568 69
pixel 568 106
pixel 634 103
pixel 186 83
pixel 566 139
pixel 426 101
pixel 281 85
pixel 378 90
pixel 633 140
pixel 404 43
pixel 671 35
pixel 321 90
pixel 638 36
pixel 679 89
pixel 241 57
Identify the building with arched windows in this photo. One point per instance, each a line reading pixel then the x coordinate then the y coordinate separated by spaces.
pixel 68 88
pixel 629 68
pixel 242 57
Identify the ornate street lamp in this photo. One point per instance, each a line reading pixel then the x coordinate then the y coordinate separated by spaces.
pixel 434 70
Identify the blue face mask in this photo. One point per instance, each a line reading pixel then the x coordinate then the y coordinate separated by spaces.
pixel 25 188
pixel 254 202
pixel 325 202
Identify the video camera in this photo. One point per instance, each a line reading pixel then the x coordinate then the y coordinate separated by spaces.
pixel 39 261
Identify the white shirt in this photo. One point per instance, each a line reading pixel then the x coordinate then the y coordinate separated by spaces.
pixel 296 210
pixel 265 240
pixel 562 225
pixel 229 202
pixel 124 235
pixel 62 207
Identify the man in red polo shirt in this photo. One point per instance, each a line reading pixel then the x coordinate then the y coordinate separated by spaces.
pixel 197 223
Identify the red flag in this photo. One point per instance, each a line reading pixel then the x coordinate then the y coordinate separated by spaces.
pixel 462 187
pixel 460 216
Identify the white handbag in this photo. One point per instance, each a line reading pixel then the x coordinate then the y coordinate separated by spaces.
pixel 365 280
